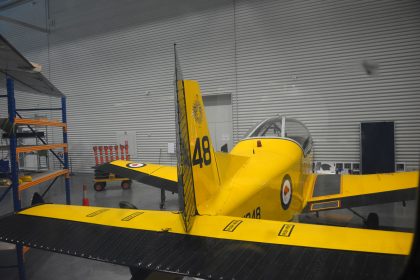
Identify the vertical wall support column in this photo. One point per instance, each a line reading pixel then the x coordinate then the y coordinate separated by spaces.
pixel 66 152
pixel 11 106
pixel 14 167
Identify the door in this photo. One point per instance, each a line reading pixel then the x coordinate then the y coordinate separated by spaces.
pixel 219 117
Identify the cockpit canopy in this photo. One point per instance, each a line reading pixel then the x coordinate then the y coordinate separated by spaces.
pixel 282 127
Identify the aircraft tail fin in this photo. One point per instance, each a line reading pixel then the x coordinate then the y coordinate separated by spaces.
pixel 198 176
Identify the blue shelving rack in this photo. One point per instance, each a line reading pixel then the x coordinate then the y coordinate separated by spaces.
pixel 15 119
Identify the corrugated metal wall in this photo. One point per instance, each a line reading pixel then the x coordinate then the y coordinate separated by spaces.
pixel 115 62
pixel 303 59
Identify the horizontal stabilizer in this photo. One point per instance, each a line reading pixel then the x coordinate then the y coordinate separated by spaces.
pixel 161 176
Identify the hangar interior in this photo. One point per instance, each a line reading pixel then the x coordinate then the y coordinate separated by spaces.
pixel 334 66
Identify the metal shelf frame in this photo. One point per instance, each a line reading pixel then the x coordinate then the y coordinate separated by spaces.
pixel 27 149
pixel 40 122
pixel 16 119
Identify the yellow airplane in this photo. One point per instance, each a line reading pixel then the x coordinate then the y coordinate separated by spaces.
pixel 236 211
pixel 267 175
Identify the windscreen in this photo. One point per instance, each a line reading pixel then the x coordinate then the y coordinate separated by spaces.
pixel 281 127
pixel 296 131
pixel 268 128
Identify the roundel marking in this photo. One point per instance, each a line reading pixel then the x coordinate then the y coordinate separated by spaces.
pixel 135 165
pixel 286 192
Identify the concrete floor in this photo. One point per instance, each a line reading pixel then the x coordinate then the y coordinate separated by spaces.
pixel 42 265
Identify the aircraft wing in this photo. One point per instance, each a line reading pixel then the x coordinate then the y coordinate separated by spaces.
pixel 151 174
pixel 217 247
pixel 329 192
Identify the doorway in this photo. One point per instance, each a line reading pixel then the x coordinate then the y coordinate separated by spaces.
pixel 219 117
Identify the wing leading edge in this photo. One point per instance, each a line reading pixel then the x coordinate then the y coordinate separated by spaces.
pixel 217 246
pixel 329 192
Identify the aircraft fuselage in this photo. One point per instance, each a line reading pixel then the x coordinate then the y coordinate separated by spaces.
pixel 270 184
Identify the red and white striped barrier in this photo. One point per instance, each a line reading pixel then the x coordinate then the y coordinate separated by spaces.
pixel 107 153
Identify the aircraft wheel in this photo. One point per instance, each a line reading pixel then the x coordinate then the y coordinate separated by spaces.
pixel 139 273
pixel 99 186
pixel 372 221
pixel 125 185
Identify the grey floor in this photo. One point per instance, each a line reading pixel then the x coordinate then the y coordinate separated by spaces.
pixel 42 265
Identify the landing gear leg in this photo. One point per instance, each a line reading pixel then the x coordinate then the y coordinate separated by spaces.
pixel 162 198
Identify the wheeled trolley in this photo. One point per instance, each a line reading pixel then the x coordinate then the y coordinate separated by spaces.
pixel 108 153
pixel 101 181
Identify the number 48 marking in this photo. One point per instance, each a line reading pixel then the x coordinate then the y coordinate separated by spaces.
pixel 202 152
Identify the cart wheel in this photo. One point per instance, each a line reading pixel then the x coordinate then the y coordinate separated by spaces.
pixel 99 186
pixel 125 185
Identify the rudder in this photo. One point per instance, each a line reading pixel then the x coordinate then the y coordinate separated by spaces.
pixel 198 177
